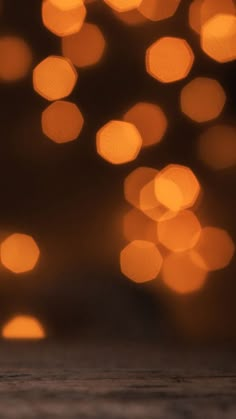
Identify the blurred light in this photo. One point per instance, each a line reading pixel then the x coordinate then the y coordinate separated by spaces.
pixel 15 58
pixel 67 4
pixel 86 47
pixel 132 17
pixel 123 5
pixel 179 233
pixel 218 38
pixel 168 193
pixel 54 78
pixel 169 59
pixel 140 261
pixel 23 327
pixel 62 22
pixel 195 15
pixel 62 121
pixel 137 226
pixel 217 147
pixel 185 181
pixel 181 274
pixel 134 183
pixel 19 253
pixel 202 99
pixel 214 250
pixel 200 11
pixel 150 120
pixel 158 9
pixel 118 142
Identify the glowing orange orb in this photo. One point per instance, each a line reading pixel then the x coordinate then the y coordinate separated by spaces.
pixel 19 253
pixel 134 183
pixel 158 9
pixel 123 5
pixel 23 327
pixel 15 58
pixel 137 226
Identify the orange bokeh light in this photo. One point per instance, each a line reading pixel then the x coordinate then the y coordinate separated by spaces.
pixel 217 147
pixel 194 16
pixel 15 58
pixel 218 38
pixel 19 253
pixel 54 78
pixel 158 9
pixel 132 17
pixel 118 142
pixel 86 47
pixel 67 4
pixel 23 327
pixel 180 233
pixel 150 120
pixel 123 5
pixel 62 121
pixel 136 226
pixel 62 22
pixel 134 183
pixel 168 193
pixel 200 11
pixel 181 274
pixel 202 99
pixel 214 250
pixel 169 59
pixel 140 261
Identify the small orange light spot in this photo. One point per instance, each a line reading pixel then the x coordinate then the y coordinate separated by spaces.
pixel 158 9
pixel 23 327
pixel 181 232
pixel 137 226
pixel 169 59
pixel 217 147
pixel 214 250
pixel 218 38
pixel 62 121
pixel 15 58
pixel 118 142
pixel 140 261
pixel 202 99
pixel 134 183
pixel 123 5
pixel 86 47
pixel 62 22
pixel 19 253
pixel 54 78
pixel 181 275
pixel 150 120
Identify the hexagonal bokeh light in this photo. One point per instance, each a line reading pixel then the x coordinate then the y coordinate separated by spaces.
pixel 123 5
pixel 86 47
pixel 15 58
pixel 118 142
pixel 169 59
pixel 202 99
pixel 54 78
pixel 137 226
pixel 67 4
pixel 150 120
pixel 134 183
pixel 23 327
pixel 158 9
pixel 140 261
pixel 62 22
pixel 62 121
pixel 200 11
pixel 19 253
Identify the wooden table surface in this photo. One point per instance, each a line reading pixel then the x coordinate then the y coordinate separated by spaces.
pixel 75 380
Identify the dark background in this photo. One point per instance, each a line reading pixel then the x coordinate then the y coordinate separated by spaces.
pixel 72 201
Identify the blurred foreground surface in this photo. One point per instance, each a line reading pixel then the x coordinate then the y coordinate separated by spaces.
pixel 52 380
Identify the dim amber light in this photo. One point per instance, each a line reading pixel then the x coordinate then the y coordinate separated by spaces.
pixel 23 327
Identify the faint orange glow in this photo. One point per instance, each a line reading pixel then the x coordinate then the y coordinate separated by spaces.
pixel 150 120
pixel 137 226
pixel 23 327
pixel 15 58
pixel 132 17
pixel 158 9
pixel 86 47
pixel 169 59
pixel 217 147
pixel 202 99
pixel 19 253
pixel 181 232
pixel 123 5
pixel 214 250
pixel 168 193
pixel 54 78
pixel 140 261
pixel 134 183
pixel 118 142
pixel 195 15
pixel 185 181
pixel 181 274
pixel 62 22
pixel 218 38
pixel 200 11
pixel 67 4
pixel 62 121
